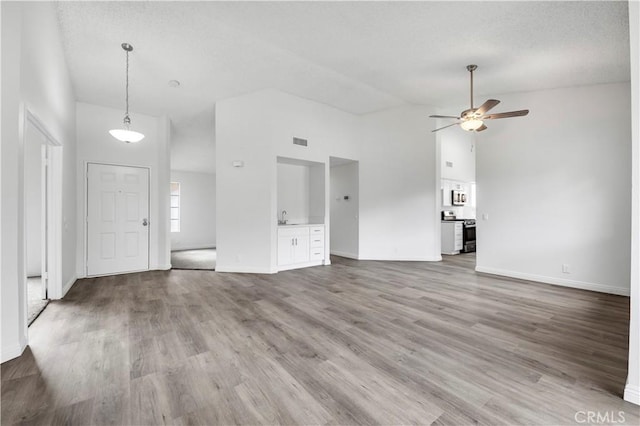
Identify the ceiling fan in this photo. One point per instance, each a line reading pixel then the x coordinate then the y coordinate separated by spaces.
pixel 472 119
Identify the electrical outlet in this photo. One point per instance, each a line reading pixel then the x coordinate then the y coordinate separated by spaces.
pixel 485 216
pixel 566 268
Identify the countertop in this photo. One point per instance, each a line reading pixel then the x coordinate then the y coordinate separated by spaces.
pixel 299 225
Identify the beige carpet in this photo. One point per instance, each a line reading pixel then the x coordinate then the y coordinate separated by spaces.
pixel 194 259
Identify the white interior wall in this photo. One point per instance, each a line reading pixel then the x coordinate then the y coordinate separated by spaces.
pixel 95 144
pixel 555 186
pixel 632 389
pixel 396 150
pixel 14 337
pixel 344 213
pixel 197 211
pixel 34 72
pixel 317 195
pixel 48 93
pixel 33 200
pixel 458 148
pixel 258 128
pixel 293 192
pixel 398 188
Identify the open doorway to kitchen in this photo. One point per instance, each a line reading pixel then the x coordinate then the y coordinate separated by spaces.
pixel 458 196
pixel 42 196
pixel 344 207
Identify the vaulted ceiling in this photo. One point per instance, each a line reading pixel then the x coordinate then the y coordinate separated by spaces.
pixel 356 56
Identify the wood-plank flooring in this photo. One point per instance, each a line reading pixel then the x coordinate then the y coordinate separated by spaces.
pixel 357 342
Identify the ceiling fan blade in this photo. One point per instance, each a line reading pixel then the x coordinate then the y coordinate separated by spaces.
pixel 520 113
pixel 444 116
pixel 454 124
pixel 481 128
pixel 486 106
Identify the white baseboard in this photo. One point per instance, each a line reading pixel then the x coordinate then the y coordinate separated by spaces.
pixel 344 254
pixel 68 285
pixel 245 270
pixel 402 259
pixel 300 265
pixel 164 267
pixel 195 247
pixel 356 257
pixel 632 394
pixel 602 288
pixel 12 351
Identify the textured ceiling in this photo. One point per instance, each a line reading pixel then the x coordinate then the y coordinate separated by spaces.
pixel 356 56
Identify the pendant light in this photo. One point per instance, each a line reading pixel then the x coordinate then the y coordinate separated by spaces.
pixel 125 134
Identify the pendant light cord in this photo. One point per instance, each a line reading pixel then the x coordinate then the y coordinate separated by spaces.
pixel 127 120
pixel 127 86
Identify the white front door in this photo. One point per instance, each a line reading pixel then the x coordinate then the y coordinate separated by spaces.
pixel 117 219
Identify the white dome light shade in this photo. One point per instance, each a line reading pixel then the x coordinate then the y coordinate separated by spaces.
pixel 471 125
pixel 128 136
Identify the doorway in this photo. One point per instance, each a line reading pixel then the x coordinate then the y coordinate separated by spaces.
pixel 193 191
pixel 35 217
pixel 344 207
pixel 117 219
pixel 41 212
pixel 456 179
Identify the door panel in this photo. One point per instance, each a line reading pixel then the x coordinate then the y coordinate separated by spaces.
pixel 285 250
pixel 117 204
pixel 132 244
pixel 108 206
pixel 301 253
pixel 107 245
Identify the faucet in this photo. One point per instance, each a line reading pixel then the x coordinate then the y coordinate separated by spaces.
pixel 283 221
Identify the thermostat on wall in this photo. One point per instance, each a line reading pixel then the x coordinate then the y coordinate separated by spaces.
pixel 238 164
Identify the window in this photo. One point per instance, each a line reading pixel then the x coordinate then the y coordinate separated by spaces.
pixel 175 207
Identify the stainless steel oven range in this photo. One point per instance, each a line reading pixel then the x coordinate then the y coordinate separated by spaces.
pixel 468 235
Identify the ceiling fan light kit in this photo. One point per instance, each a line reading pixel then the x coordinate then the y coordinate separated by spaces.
pixel 472 119
pixel 471 124
pixel 126 134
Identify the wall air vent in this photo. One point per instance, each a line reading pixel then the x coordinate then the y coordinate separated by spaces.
pixel 300 141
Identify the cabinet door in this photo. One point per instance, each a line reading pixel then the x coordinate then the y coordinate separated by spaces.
pixel 285 250
pixel 301 248
pixel 458 236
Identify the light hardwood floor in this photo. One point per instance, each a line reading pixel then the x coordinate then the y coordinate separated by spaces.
pixel 358 342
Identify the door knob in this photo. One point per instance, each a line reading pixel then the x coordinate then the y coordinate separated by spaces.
pixel 145 222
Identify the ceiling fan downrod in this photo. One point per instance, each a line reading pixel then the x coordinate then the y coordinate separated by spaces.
pixel 471 69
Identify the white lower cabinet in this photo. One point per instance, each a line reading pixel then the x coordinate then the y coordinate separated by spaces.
pixel 316 243
pixel 300 246
pixel 451 237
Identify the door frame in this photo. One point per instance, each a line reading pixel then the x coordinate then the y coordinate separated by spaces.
pixel 52 232
pixel 85 217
